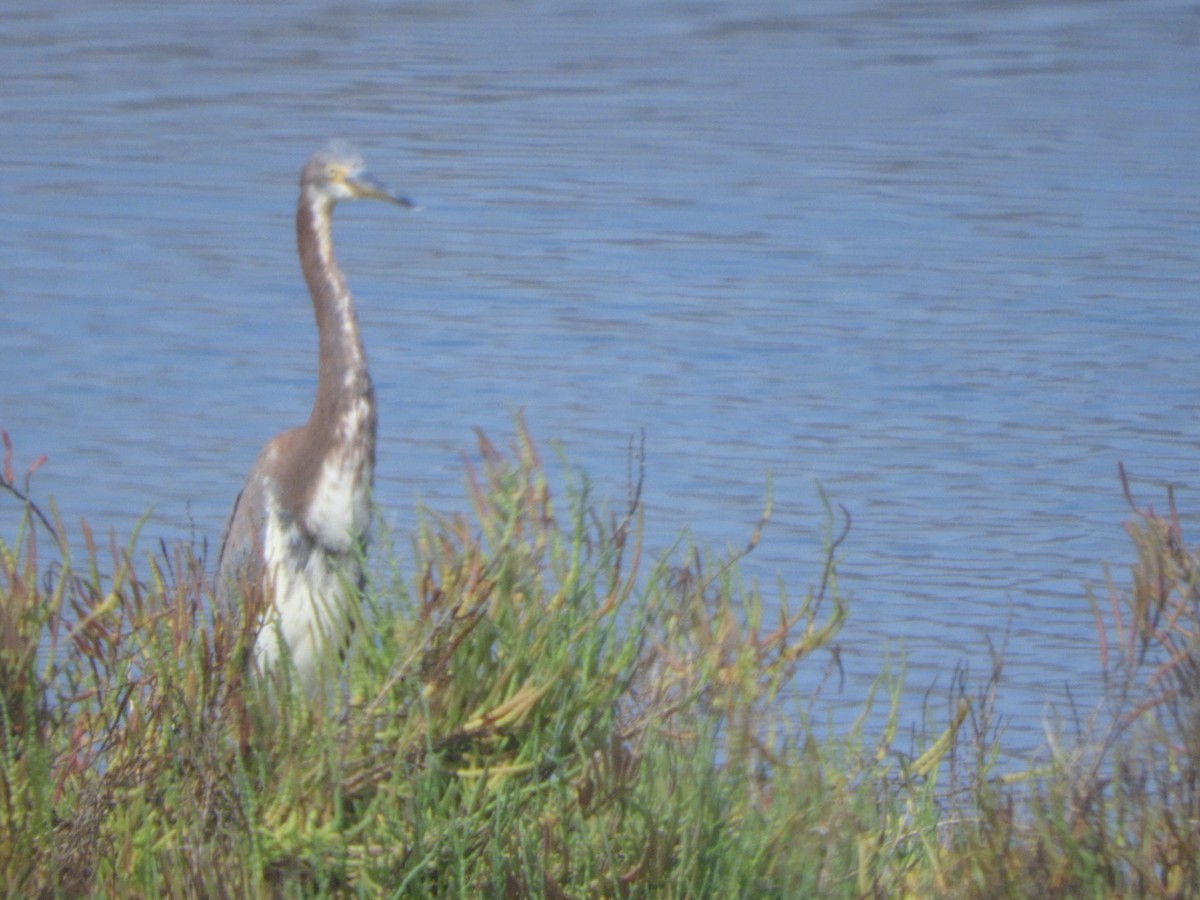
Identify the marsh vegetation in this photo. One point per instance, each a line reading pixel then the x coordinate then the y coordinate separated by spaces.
pixel 532 706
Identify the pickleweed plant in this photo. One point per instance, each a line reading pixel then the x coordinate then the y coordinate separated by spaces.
pixel 534 705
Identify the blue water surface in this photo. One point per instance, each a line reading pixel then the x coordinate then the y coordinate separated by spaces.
pixel 939 258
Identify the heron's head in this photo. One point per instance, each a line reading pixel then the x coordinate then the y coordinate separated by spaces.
pixel 338 173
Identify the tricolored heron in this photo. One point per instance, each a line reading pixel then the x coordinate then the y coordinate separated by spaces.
pixel 294 542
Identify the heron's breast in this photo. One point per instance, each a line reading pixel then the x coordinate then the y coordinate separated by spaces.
pixel 339 508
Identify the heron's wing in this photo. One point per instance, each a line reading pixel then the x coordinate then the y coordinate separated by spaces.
pixel 239 564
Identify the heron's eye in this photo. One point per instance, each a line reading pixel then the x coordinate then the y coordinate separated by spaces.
pixel 332 173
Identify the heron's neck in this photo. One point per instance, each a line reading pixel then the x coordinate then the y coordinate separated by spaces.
pixel 344 410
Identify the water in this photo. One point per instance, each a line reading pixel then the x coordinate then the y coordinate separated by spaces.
pixel 939 258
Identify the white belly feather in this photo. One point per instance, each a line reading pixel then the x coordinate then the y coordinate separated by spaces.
pixel 311 576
